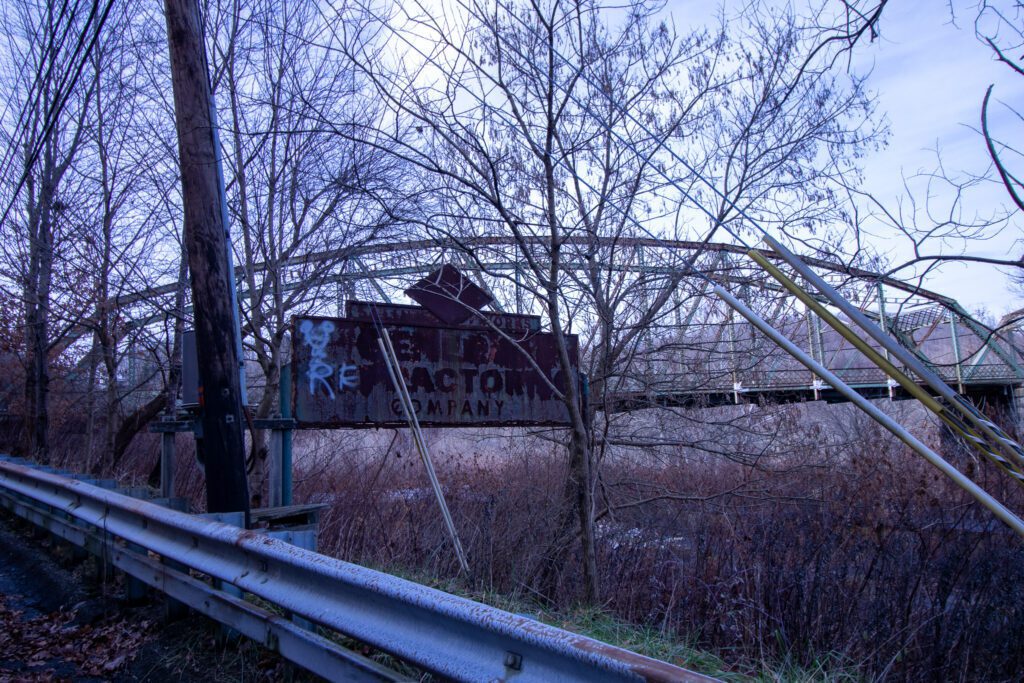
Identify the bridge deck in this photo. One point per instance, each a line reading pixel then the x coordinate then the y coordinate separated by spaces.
pixel 626 401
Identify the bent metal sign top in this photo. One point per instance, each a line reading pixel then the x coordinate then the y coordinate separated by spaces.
pixel 465 375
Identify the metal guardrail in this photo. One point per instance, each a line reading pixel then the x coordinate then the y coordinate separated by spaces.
pixel 442 633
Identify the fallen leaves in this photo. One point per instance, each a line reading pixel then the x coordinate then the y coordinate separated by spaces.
pixel 52 648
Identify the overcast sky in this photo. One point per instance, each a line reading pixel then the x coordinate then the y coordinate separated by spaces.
pixel 930 77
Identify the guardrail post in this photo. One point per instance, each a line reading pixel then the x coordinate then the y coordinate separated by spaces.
pixel 174 609
pixel 306 540
pixel 102 569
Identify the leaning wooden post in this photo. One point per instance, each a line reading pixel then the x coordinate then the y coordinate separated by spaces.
pixel 206 243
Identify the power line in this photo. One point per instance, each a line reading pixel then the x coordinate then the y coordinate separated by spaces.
pixel 61 100
pixel 36 88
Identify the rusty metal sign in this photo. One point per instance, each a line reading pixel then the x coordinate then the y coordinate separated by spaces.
pixel 449 295
pixel 513 324
pixel 457 376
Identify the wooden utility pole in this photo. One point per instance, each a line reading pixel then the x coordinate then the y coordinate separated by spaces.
pixel 207 243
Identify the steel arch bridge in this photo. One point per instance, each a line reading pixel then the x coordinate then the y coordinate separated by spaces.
pixel 695 351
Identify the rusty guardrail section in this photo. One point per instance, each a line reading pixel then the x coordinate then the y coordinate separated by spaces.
pixel 445 634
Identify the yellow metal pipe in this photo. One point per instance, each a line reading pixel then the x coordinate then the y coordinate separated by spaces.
pixel 898 430
pixel 909 385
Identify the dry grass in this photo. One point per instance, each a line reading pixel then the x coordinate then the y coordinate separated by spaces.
pixel 834 555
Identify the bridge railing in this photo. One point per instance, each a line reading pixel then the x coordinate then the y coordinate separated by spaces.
pixel 665 379
pixel 442 633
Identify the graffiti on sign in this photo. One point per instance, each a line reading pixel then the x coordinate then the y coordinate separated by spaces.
pixel 467 375
pixel 315 335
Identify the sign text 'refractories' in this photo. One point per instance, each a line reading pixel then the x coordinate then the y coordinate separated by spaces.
pixel 455 376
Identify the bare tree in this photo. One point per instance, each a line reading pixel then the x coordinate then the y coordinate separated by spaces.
pixel 119 240
pixel 44 128
pixel 561 125
pixel 1000 25
pixel 301 197
pixel 937 218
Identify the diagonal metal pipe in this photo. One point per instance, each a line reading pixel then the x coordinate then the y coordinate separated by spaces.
pixel 1013 467
pixel 992 432
pixel 961 480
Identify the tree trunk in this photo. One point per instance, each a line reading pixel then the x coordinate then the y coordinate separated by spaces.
pixel 90 428
pixel 132 425
pixel 37 301
pixel 113 401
